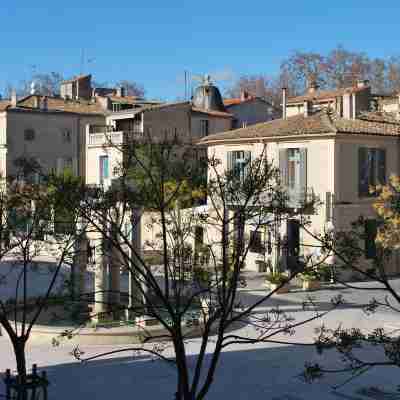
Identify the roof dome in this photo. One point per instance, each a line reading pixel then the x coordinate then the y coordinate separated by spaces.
pixel 208 97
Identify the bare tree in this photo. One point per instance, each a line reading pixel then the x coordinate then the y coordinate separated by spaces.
pixel 204 278
pixel 33 261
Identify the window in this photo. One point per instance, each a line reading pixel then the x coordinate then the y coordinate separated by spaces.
pixel 256 244
pixel 204 127
pixel 371 169
pixel 239 163
pixel 104 168
pixel 29 134
pixel 66 136
pixel 293 170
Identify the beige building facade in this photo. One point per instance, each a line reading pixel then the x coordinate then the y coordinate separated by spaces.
pixel 330 151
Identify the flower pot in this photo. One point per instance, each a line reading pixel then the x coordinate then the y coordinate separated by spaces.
pixel 283 289
pixel 311 284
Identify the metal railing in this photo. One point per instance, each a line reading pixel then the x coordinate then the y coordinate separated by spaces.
pixel 113 138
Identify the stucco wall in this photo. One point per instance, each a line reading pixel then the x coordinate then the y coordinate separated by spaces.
pixel 250 112
pixel 48 144
pixel 170 121
pixel 215 124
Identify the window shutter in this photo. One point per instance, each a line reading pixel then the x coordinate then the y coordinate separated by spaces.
pixel 303 172
pixel 381 153
pixel 283 166
pixel 363 184
pixel 247 157
pixel 328 206
pixel 229 161
pixel 371 231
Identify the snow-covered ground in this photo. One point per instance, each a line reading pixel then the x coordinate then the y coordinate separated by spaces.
pixel 266 371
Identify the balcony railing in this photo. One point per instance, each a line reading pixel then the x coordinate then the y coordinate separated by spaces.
pixel 113 138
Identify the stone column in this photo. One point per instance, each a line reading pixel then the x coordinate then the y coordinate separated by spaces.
pixel 79 267
pixel 100 283
pixel 78 276
pixel 135 296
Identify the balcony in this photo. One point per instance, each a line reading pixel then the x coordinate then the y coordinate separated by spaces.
pixel 112 138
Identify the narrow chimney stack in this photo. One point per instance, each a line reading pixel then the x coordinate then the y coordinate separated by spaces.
pixel 284 102
pixel 44 104
pixel 313 86
pixel 306 107
pixel 121 91
pixel 244 95
pixel 36 101
pixel 13 98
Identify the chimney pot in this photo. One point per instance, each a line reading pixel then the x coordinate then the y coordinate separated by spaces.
pixel 312 86
pixel 306 108
pixel 44 104
pixel 121 91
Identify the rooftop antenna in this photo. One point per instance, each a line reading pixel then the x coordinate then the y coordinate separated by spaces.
pixel 82 60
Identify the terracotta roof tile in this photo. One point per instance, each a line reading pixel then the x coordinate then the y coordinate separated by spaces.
pixel 59 104
pixel 322 122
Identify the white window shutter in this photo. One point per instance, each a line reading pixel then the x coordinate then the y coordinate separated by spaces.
pixel 283 166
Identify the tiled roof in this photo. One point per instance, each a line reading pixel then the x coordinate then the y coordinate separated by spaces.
pixel 322 122
pixel 59 104
pixel 325 94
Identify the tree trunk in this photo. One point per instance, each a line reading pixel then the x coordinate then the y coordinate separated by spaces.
pixel 19 351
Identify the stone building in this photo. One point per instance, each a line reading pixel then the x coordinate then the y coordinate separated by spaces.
pixel 328 143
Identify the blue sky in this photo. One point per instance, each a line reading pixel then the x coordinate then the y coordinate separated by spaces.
pixel 153 42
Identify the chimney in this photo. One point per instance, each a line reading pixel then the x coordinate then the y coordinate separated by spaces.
pixel 306 107
pixel 36 101
pixel 13 98
pixel 362 83
pixel 121 91
pixel 347 106
pixel 244 95
pixel 44 104
pixel 284 102
pixel 312 86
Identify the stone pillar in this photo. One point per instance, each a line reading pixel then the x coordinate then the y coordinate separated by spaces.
pixel 135 296
pixel 100 283
pixel 79 268
pixel 115 264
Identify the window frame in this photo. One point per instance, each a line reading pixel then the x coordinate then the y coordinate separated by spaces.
pixel 374 172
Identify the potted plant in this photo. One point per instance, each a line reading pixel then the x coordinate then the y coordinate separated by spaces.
pixel 277 279
pixel 311 279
